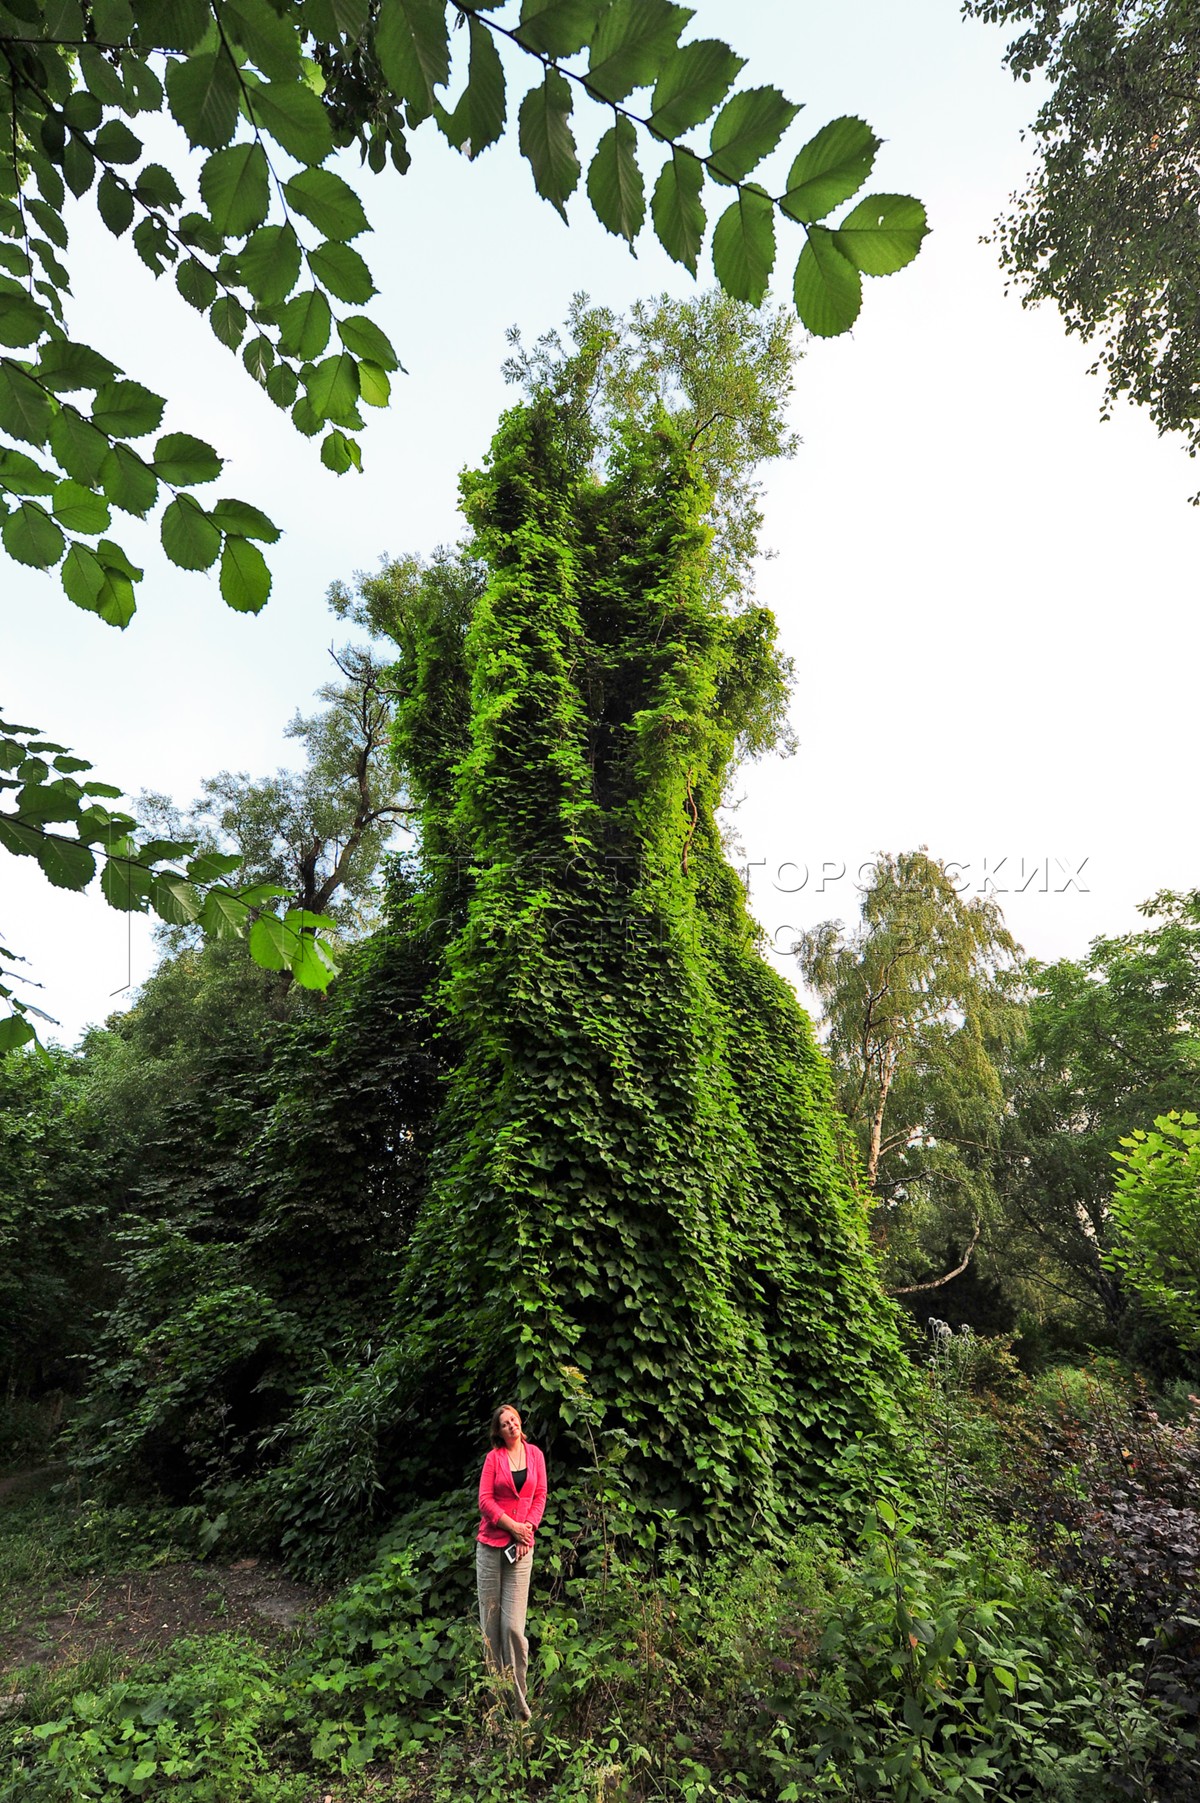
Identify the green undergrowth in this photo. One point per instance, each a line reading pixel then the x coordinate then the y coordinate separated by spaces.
pixel 911 1665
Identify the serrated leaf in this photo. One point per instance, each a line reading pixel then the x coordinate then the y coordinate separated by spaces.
pixel 747 129
pixel 183 460
pixel 630 44
pixel 189 537
pixel 547 142
pixel 269 40
pixel 81 450
pixel 31 536
pixel 831 167
pixel 234 185
pixel 677 210
pixel 478 119
pixel 228 320
pixel 15 1031
pixel 412 44
pixel 156 187
pixel 102 79
pixel 333 386
pixel 157 851
pixel 20 475
pixel 743 247
pixel 243 520
pixel 328 202
pixel 98 588
pixel 269 263
pixel 828 289
pixel 123 885
pixel 339 453
pixel 128 482
pixel 22 321
pixel 614 184
pixel 115 201
pixel 558 27
pixel 374 387
pixel 78 166
pixel 25 410
pixel 79 510
pixel 362 336
pixel 115 143
pixel 882 234
pixel 43 802
pixel 271 942
pixel 65 366
pixel 174 900
pixel 692 81
pixel 203 94
pixel 126 409
pixel 245 577
pixel 295 119
pixel 65 863
pixel 339 268
pixel 224 915
pixel 196 284
pixel 304 324
pixel 209 865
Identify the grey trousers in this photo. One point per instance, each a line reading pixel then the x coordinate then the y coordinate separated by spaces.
pixel 503 1601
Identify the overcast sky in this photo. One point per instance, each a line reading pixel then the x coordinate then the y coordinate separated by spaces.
pixel 987 592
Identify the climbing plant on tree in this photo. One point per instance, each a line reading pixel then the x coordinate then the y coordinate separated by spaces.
pixel 634 1186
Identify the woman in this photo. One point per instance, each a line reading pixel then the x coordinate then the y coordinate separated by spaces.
pixel 512 1501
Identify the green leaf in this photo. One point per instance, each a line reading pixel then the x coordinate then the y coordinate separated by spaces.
pixel 271 942
pixel 15 1031
pixel 339 453
pixel 245 578
pixel 374 387
pixel 333 387
pixel 196 284
pixel 25 411
pixel 743 247
pixel 124 885
pixel 209 865
pixel 43 802
pixel 234 185
pixel 243 520
pixel 828 289
pixel 283 385
pixel 79 510
pixel 115 201
pixel 65 863
pixel 97 588
pixel 224 915
pixel 677 210
pixel 558 27
pixel 100 76
pixel 81 450
pixel 171 24
pixel 115 143
pixel 65 366
pixel 630 44
pixel 614 184
pixel 339 268
pixel 128 482
pixel 478 119
pixel 269 40
pixel 328 202
pixel 747 129
pixel 362 336
pixel 269 263
pixel 830 168
pixel 127 409
pixel 30 535
pixel 20 475
pixel 79 166
pixel 545 139
pixel 22 321
pixel 189 537
pixel 693 80
pixel 51 222
pixel 157 187
pixel 203 94
pixel 304 324
pixel 412 44
pixel 183 460
pixel 228 320
pixel 311 962
pixel 294 117
pixel 174 900
pixel 882 234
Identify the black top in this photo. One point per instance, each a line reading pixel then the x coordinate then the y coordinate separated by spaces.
pixel 518 1478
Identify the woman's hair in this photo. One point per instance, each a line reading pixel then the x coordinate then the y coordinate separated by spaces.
pixel 505 1408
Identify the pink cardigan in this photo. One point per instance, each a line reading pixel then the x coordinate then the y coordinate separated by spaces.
pixel 498 1495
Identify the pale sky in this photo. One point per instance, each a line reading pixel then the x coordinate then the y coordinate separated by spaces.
pixel 987 592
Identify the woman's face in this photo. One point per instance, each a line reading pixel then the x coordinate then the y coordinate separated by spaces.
pixel 510 1427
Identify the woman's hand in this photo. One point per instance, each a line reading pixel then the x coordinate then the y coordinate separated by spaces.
pixel 523 1534
pixel 524 1548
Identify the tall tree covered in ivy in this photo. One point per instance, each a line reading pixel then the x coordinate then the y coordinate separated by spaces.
pixel 635 1202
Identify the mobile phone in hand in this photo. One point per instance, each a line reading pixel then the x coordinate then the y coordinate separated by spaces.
pixel 510 1552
